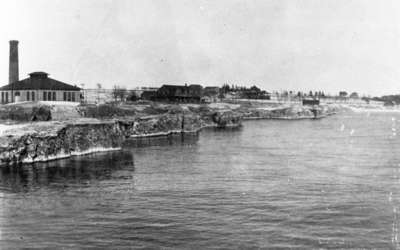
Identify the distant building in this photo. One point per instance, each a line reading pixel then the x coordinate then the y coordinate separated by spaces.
pixel 179 93
pixel 310 102
pixel 138 91
pixel 148 95
pixel 354 95
pixel 210 94
pixel 255 93
pixel 343 94
pixel 39 87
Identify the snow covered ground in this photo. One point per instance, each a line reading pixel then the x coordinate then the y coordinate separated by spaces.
pixel 6 128
pixel 50 103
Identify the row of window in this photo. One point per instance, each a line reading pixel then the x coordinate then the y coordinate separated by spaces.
pixel 47 96
pixel 51 96
pixel 69 96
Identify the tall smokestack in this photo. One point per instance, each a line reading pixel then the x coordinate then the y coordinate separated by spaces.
pixel 13 74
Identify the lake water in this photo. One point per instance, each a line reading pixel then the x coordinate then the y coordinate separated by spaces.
pixel 330 183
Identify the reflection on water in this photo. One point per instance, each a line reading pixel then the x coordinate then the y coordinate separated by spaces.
pixel 85 168
pixel 79 169
pixel 172 139
pixel 330 183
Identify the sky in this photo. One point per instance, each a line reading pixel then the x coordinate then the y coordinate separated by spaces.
pixel 328 45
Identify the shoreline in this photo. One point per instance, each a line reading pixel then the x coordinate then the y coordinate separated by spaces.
pixel 110 149
pixel 150 135
pixel 43 141
pixel 177 132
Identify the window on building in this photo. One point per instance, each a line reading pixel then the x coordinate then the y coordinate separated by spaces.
pixel 6 97
pixel 33 96
pixel 49 96
pixel 44 96
pixel 2 97
pixel 65 96
pixel 17 93
pixel 69 96
pixel 28 96
pixel 73 96
pixel 54 96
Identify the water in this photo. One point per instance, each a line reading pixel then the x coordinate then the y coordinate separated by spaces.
pixel 330 183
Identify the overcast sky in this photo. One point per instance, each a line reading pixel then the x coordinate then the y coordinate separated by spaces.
pixel 276 44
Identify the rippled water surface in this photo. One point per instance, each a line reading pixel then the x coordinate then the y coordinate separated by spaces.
pixel 330 183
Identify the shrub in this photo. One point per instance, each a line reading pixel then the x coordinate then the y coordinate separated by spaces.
pixel 25 113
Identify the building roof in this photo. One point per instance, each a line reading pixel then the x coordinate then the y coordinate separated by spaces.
pixel 38 74
pixel 39 80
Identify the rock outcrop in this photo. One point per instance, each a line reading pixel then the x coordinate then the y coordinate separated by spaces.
pixel 293 112
pixel 43 141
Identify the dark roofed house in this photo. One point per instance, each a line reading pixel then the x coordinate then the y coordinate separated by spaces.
pixel 148 95
pixel 179 93
pixel 39 87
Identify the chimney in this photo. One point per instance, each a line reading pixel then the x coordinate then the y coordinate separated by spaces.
pixel 13 74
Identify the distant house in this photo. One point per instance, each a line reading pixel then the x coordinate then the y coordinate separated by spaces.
pixel 39 87
pixel 179 93
pixel 343 94
pixel 148 95
pixel 354 95
pixel 310 102
pixel 255 93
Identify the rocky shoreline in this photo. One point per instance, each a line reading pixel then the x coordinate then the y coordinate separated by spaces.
pixel 45 141
pixel 38 141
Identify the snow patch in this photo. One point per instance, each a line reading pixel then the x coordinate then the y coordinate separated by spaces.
pixel 157 134
pixel 62 155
